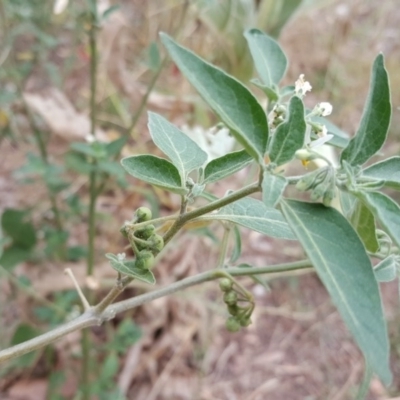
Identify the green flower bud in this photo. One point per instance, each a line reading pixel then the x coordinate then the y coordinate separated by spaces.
pixel 144 233
pixel 123 231
pixel 157 243
pixel 245 321
pixel 328 197
pixel 304 155
pixel 143 214
pixel 225 284
pixel 230 298
pixel 232 324
pixel 144 260
pixel 312 179
pixel 234 309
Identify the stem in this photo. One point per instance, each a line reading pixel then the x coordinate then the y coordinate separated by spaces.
pixel 145 97
pixel 365 383
pixel 184 218
pixel 91 223
pixel 86 344
pixel 104 311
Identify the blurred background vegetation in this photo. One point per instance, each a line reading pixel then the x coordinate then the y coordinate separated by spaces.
pixel 177 348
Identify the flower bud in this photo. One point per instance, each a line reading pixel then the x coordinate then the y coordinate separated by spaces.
pixel 157 243
pixel 233 309
pixel 143 214
pixel 144 233
pixel 230 298
pixel 225 284
pixel 144 260
pixel 232 324
pixel 245 321
pixel 123 231
pixel 329 195
pixel 304 155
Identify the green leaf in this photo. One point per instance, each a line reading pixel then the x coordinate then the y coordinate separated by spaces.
pixel 96 149
pixel 386 210
pixel 371 134
pixel 14 255
pixel 272 15
pixel 342 264
pixel 23 333
pixel 272 188
pixel 229 99
pixel 226 165
pixel 255 215
pixel 269 59
pixel 271 93
pixel 79 163
pixel 340 138
pixel 113 148
pixel 184 153
pixel 112 168
pixel 156 171
pixel 289 135
pixel 127 267
pixel 363 222
pixel 388 170
pixel 22 232
pixel 109 11
pixel 109 368
pixel 153 57
pixel 386 270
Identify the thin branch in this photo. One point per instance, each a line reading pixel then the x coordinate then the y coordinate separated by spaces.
pixel 214 205
pixel 96 315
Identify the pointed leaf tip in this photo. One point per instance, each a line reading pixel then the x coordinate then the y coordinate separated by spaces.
pixel 229 98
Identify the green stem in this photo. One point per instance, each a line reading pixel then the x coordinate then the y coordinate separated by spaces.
pixel 91 223
pixel 145 98
pixel 184 218
pixel 365 383
pixel 86 344
pixel 105 310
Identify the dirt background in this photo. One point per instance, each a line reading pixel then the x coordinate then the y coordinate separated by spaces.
pixel 297 347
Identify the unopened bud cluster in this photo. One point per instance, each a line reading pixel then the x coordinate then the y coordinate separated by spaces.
pixel 145 241
pixel 277 115
pixel 239 316
pixel 321 183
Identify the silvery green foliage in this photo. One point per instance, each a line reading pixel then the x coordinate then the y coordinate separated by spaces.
pixel 338 241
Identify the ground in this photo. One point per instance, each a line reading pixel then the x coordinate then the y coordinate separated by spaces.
pixel 297 346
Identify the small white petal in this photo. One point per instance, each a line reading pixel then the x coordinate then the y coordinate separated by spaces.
pixel 302 86
pixel 319 142
pixel 90 138
pixel 326 108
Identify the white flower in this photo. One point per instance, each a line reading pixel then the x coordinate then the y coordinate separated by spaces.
pixel 302 86
pixel 60 6
pixel 323 109
pixel 215 141
pixel 121 256
pixel 90 138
